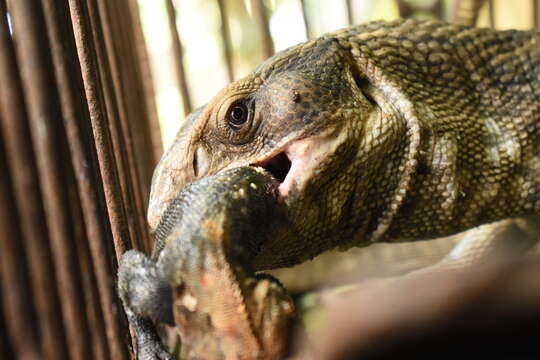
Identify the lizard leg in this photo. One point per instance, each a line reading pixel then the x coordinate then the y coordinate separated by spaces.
pixel 503 239
pixel 147 300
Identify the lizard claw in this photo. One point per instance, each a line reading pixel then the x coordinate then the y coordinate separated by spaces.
pixel 149 346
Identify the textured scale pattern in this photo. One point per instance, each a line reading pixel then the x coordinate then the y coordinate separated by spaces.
pixel 397 131
pixel 475 93
pixel 201 277
pixel 428 129
pixel 464 150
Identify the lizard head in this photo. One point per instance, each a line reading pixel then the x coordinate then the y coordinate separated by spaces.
pixel 289 116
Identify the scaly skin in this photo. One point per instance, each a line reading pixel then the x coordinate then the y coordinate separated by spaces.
pixel 200 276
pixel 394 131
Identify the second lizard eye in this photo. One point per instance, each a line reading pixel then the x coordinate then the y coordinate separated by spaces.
pixel 238 115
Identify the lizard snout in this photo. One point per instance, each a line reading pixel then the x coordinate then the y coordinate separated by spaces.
pixel 171 175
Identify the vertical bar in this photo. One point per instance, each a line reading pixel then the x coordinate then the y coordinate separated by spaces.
pixel 119 17
pixel 437 9
pixel 178 55
pixel 466 11
pixel 146 80
pixel 105 109
pixel 53 164
pixel 92 309
pixel 101 128
pixel 226 39
pixel 121 131
pixel 348 5
pixel 6 351
pixel 106 129
pixel 491 9
pixel 405 9
pixel 17 313
pixel 305 17
pixel 76 121
pixel 535 13
pixel 261 16
pixel 21 162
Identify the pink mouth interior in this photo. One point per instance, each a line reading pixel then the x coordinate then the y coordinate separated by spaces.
pixel 279 166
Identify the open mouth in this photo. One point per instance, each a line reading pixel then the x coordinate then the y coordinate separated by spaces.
pixel 293 164
pixel 278 166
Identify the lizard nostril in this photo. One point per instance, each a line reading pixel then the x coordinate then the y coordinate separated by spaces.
pixel 201 161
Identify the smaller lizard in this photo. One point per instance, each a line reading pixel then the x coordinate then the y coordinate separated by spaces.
pixel 203 261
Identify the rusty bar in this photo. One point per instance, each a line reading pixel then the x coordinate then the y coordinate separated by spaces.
pixel 23 169
pixel 100 126
pixel 53 162
pixel 132 90
pixel 6 351
pixel 491 10
pixel 109 142
pixel 118 146
pixel 93 311
pixel 106 109
pixel 466 12
pixel 140 124
pixel 99 86
pixel 261 16
pixel 113 117
pixel 84 158
pixel 407 9
pixel 305 17
pixel 117 73
pixel 436 9
pixel 226 39
pixel 17 313
pixel 178 56
pixel 146 80
pixel 348 6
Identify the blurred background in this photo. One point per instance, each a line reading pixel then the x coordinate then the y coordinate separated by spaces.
pixel 92 91
pixel 222 40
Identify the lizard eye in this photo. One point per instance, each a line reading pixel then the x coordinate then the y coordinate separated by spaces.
pixel 238 115
pixel 236 120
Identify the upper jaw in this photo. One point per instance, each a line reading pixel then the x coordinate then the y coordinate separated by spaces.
pixel 293 164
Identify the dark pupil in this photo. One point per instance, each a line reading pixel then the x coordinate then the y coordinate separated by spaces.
pixel 237 115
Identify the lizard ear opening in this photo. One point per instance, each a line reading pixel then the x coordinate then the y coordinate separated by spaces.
pixel 362 83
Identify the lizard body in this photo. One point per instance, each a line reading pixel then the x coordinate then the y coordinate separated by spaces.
pixel 394 131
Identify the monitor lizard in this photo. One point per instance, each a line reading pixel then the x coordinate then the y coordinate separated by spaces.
pixel 383 132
